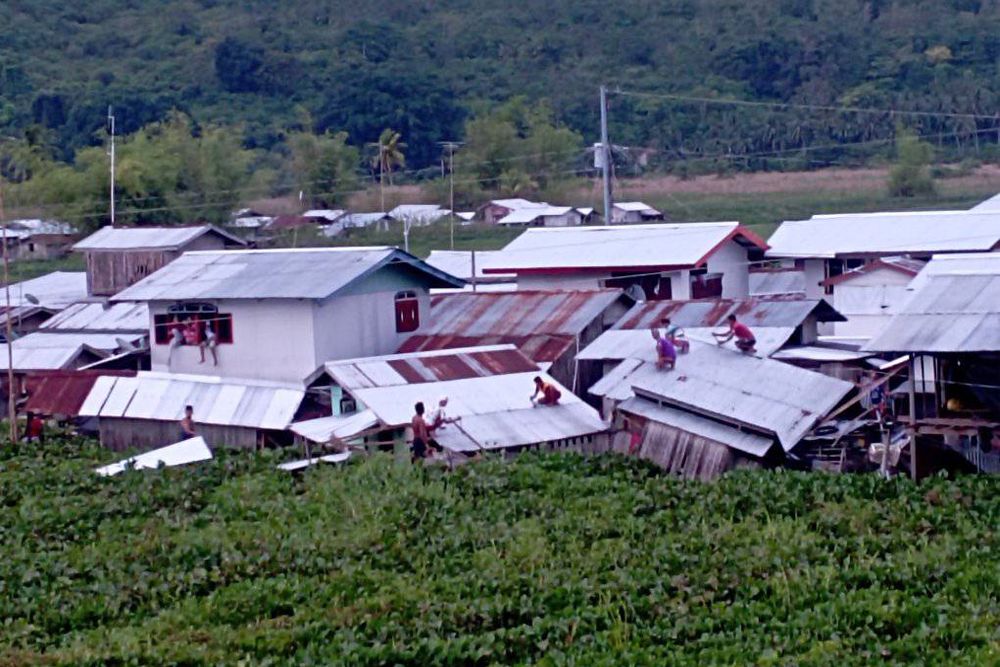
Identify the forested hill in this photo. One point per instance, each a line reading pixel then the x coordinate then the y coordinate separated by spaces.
pixel 421 66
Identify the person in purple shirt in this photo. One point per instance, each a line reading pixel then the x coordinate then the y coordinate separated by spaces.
pixel 666 353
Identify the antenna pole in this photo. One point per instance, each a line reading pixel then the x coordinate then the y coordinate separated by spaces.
pixel 111 131
pixel 606 150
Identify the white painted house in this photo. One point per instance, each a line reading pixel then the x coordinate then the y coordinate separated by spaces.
pixel 868 296
pixel 654 262
pixel 496 209
pixel 543 216
pixel 280 314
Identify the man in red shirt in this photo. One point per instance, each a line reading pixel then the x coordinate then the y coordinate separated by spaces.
pixel 745 340
pixel 545 393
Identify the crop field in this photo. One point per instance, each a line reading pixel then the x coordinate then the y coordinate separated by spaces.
pixel 546 560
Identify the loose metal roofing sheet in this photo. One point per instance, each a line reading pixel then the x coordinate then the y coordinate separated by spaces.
pixel 617 247
pixel 751 443
pixel 223 402
pixel 923 232
pixel 342 427
pixel 54 290
pixel 305 273
pixel 739 389
pixel 459 263
pixel 541 324
pixel 149 238
pixel 955 307
pixel 61 392
pixel 126 317
pixel 181 453
pixel 755 312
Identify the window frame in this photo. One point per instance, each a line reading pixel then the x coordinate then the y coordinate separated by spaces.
pixel 406 311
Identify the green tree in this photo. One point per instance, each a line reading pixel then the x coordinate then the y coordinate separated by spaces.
pixel 910 175
pixel 388 155
pixel 325 166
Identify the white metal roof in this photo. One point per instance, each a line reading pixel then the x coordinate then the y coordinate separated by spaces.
pixel 48 351
pixel 223 402
pixel 363 219
pixel 751 443
pixel 459 263
pixel 517 202
pixel 302 464
pixel 763 283
pixel 954 307
pixel 125 316
pixel 616 344
pixel 639 206
pixel 921 232
pixel 466 215
pixel 343 427
pixel 36 226
pixel 820 354
pixel 736 388
pixel 329 214
pixel 523 216
pixel 181 453
pixel 303 273
pixel 652 245
pixel 418 212
pixel 54 290
pixel 991 204
pixel 149 238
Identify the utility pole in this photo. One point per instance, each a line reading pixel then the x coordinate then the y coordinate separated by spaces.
pixel 451 146
pixel 606 155
pixel 11 401
pixel 111 131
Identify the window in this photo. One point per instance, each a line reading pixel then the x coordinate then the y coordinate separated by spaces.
pixel 654 287
pixel 407 312
pixel 193 319
pixel 31 247
pixel 705 285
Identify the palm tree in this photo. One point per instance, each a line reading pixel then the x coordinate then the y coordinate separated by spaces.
pixel 389 154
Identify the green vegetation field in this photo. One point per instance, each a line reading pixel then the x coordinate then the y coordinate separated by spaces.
pixel 552 560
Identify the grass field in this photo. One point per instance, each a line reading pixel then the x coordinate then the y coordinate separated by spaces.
pixel 552 560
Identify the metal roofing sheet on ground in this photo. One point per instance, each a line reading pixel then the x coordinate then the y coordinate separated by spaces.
pixel 426 367
pixel 95 317
pixel 638 343
pixel 224 402
pixel 614 246
pixel 304 273
pixel 887 233
pixel 148 238
pixel 750 443
pixel 737 388
pixel 755 311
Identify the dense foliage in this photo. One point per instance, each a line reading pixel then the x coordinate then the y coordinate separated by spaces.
pixel 420 67
pixel 550 560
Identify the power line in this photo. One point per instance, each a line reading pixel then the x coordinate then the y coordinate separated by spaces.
pixel 807 107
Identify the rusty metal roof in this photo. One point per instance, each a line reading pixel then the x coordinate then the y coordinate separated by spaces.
pixel 543 325
pixel 784 310
pixel 63 392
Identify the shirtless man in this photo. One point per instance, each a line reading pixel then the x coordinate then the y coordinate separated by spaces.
pixel 421 433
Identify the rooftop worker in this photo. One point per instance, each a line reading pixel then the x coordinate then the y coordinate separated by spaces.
pixel 421 433
pixel 666 353
pixel 549 394
pixel 176 340
pixel 675 334
pixel 745 340
pixel 187 424
pixel 209 342
pixel 439 417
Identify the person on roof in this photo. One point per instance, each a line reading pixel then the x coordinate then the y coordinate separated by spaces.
pixel 545 393
pixel 209 342
pixel 188 430
pixel 666 353
pixel 439 417
pixel 675 334
pixel 176 340
pixel 745 339
pixel 421 433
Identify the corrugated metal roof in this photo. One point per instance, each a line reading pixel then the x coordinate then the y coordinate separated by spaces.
pixel 343 427
pixel 422 367
pixel 955 307
pixel 887 233
pixel 304 273
pixel 224 402
pixel 522 216
pixel 543 325
pixel 991 204
pixel 524 426
pixel 63 392
pixel 125 316
pixel 459 263
pixel 517 203
pixel 820 354
pixel 756 312
pixel 363 219
pixel 639 206
pixel 330 215
pixel 764 283
pixel 616 246
pixel 638 343
pixel 751 443
pixel 192 450
pixel 735 388
pixel 419 213
pixel 150 238
pixel 42 227
pixel 52 351
pixel 54 290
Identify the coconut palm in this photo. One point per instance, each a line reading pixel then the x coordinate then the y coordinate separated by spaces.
pixel 389 154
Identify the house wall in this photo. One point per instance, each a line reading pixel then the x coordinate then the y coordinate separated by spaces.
pixel 561 281
pixel 362 322
pixel 40 246
pixel 272 340
pixel 492 213
pixel 815 270
pixel 732 262
pixel 868 301
pixel 620 216
pixel 111 271
pixel 146 434
pixel 570 219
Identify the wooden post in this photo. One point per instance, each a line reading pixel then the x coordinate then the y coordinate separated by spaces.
pixel 473 270
pixel 913 417
pixel 11 401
